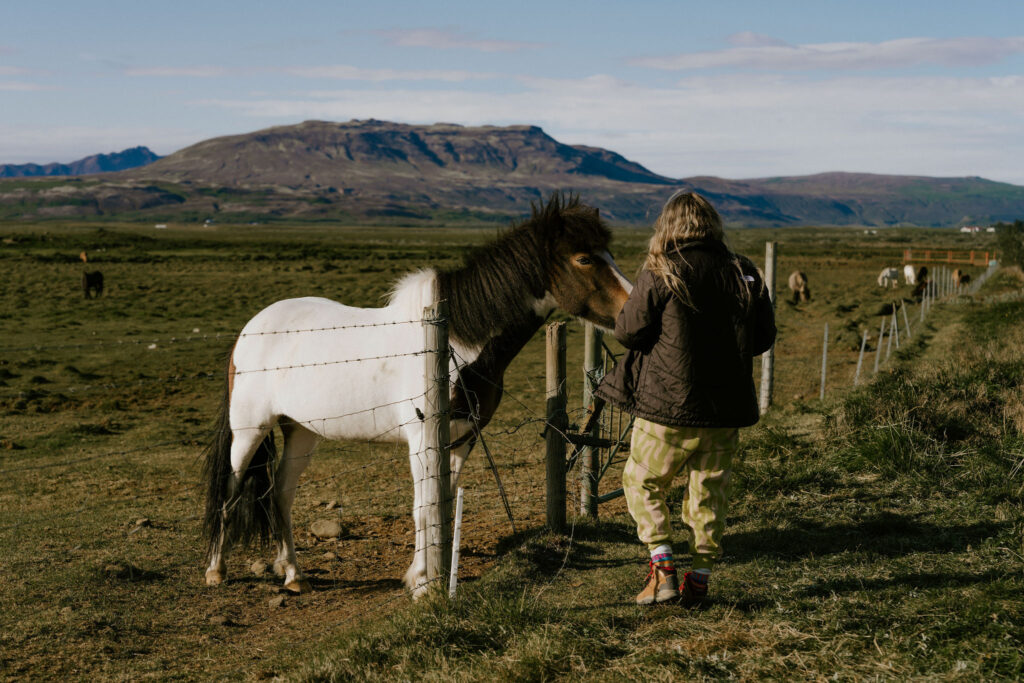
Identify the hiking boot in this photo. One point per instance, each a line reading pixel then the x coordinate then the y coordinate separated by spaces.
pixel 694 592
pixel 662 585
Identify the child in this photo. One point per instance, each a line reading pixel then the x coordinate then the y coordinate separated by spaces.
pixel 697 316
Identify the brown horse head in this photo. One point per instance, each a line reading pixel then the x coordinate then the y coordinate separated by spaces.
pixel 582 277
pixel 556 258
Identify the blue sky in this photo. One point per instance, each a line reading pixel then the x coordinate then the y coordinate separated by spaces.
pixel 733 89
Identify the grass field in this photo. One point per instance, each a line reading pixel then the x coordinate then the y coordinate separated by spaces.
pixel 875 534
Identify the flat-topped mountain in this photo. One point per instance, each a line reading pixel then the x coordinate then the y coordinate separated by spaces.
pixel 377 170
pixel 97 163
pixel 365 153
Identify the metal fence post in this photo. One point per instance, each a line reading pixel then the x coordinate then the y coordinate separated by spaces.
pixel 768 357
pixel 593 369
pixel 557 424
pixel 860 358
pixel 437 499
pixel 824 362
pixel 878 348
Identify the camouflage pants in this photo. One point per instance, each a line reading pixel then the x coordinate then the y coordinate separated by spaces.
pixel 704 456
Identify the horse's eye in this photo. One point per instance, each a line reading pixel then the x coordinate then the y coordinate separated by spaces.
pixel 584 260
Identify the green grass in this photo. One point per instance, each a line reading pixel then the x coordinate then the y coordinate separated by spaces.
pixel 833 545
pixel 888 545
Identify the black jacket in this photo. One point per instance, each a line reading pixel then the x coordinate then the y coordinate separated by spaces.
pixel 693 366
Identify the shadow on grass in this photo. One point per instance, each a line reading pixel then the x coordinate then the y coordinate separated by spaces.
pixel 885 534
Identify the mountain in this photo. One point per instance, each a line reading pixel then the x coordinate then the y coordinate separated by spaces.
pixel 373 170
pixel 97 163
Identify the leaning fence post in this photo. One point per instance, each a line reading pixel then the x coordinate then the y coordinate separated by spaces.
pixel 860 358
pixel 437 500
pixel 906 323
pixel 768 357
pixel 593 369
pixel 557 422
pixel 824 362
pixel 878 349
pixel 895 326
pixel 888 344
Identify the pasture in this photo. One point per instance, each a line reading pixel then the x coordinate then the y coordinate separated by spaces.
pixel 875 534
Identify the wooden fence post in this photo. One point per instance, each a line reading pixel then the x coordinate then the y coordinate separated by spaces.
pixel 593 370
pixel 556 426
pixel 768 357
pixel 437 487
pixel 824 362
pixel 906 323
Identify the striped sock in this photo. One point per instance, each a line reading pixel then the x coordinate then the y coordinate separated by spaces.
pixel 662 558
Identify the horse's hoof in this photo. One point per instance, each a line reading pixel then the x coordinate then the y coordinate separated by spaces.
pixel 298 586
pixel 214 577
pixel 279 568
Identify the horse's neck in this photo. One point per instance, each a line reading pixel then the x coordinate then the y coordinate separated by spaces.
pixel 480 382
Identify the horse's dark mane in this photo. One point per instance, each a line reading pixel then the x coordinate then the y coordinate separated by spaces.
pixel 492 289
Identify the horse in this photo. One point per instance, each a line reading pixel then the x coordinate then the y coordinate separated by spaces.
pixel 909 274
pixel 92 283
pixel 798 285
pixel 319 369
pixel 889 277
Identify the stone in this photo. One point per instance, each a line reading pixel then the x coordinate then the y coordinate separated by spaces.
pixel 326 528
pixel 275 602
pixel 259 567
pixel 220 620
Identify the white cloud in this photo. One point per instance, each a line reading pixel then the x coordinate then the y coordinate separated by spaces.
pixel 450 39
pixel 751 39
pixel 181 71
pixel 737 126
pixel 761 52
pixel 21 86
pixel 330 71
pixel 12 71
pixel 354 73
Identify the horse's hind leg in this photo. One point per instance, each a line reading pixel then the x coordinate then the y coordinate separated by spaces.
pixel 299 443
pixel 244 443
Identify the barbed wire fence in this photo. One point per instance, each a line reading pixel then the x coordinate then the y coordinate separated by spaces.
pixel 364 495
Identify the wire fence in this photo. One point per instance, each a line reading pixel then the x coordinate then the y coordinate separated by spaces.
pixel 362 483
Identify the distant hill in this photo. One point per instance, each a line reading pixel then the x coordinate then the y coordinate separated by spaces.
pixel 373 170
pixel 97 163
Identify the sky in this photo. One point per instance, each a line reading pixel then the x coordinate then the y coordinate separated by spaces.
pixel 737 89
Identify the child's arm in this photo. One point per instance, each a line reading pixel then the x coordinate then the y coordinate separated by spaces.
pixel 640 318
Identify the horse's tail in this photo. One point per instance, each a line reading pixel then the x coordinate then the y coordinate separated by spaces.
pixel 238 512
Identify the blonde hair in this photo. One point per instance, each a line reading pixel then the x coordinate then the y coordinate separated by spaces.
pixel 685 217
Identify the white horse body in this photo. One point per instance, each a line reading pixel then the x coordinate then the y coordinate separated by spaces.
pixel 311 362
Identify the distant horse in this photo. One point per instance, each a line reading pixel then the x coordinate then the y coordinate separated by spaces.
pixel 889 277
pixel 909 274
pixel 960 277
pixel 798 285
pixel 323 370
pixel 92 283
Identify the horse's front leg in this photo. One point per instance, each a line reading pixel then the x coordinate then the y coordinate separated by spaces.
pixel 416 576
pixel 298 449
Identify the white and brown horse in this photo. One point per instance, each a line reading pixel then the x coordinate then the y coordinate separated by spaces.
pixel 321 370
